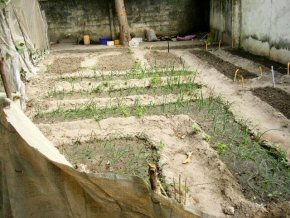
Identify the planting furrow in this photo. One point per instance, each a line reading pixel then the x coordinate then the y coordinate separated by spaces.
pixel 91 86
pixel 101 103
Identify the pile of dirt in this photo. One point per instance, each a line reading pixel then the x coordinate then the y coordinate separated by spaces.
pixel 277 98
pixel 222 66
pixel 163 60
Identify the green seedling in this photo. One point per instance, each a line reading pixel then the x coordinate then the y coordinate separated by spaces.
pixel 206 137
pixel 222 148
pixel 195 128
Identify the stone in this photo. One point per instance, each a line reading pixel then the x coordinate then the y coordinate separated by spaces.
pixel 229 210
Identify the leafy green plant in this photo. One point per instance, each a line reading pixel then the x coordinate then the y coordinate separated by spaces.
pixel 221 148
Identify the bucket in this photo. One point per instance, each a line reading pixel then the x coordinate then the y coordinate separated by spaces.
pixel 110 43
pixel 117 42
pixel 104 40
pixel 87 40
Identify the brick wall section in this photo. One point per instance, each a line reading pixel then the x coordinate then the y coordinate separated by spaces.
pixel 73 17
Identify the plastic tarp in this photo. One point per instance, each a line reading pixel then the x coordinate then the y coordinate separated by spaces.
pixel 23 39
pixel 37 181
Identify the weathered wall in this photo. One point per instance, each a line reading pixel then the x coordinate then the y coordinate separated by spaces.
pixel 66 17
pixel 260 27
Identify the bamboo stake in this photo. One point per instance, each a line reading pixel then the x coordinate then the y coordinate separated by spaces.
pixel 273 77
pixel 236 74
pixel 261 70
pixel 4 78
pixel 220 43
pixel 243 81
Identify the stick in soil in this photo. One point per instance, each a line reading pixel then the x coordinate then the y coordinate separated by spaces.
pixel 261 70
pixel 155 184
pixel 236 74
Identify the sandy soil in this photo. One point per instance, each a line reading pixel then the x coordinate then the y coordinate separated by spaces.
pixel 163 60
pixel 212 188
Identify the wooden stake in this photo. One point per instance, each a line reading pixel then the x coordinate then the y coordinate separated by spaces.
pixel 220 43
pixel 273 77
pixel 206 45
pixel 233 42
pixel 243 81
pixel 236 74
pixel 168 46
pixel 155 185
pixel 288 68
pixel 4 77
pixel 261 70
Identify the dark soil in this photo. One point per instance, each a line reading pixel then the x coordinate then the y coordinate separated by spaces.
pixel 277 98
pixel 127 156
pixel 281 68
pixel 222 66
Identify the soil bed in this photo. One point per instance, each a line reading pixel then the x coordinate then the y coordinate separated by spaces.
pixel 124 61
pixel 277 98
pixel 166 60
pixel 222 66
pixel 281 68
pixel 150 90
pixel 127 156
pixel 134 73
pixel 65 65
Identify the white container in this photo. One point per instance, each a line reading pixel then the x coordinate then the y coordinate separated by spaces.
pixel 110 43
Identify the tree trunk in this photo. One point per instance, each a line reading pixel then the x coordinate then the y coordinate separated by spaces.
pixel 123 22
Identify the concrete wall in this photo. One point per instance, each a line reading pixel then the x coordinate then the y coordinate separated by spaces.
pixel 260 27
pixel 67 17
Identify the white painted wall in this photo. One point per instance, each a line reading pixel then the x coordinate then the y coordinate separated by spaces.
pixel 261 26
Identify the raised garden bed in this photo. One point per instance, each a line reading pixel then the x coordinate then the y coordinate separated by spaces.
pixel 277 98
pixel 281 68
pixel 222 66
